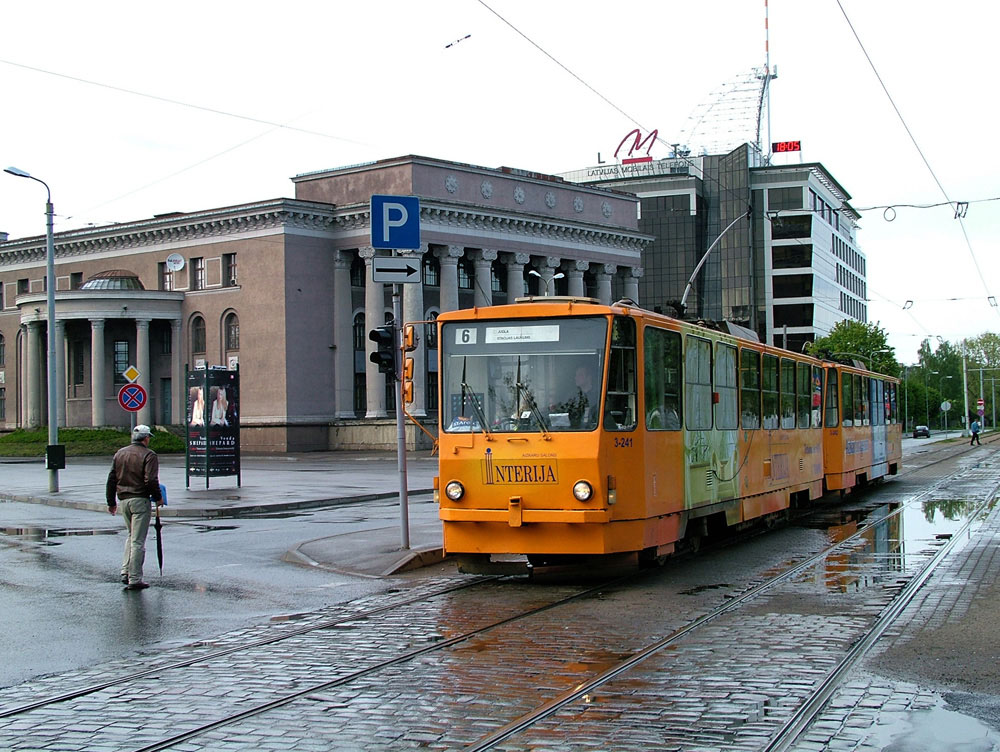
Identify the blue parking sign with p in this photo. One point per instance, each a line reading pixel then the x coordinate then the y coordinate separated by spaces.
pixel 395 222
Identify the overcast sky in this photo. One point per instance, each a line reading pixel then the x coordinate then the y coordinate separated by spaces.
pixel 354 82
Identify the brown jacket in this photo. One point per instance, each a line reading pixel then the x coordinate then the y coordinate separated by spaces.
pixel 135 472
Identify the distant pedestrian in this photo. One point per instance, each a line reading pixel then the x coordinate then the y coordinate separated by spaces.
pixel 976 428
pixel 135 480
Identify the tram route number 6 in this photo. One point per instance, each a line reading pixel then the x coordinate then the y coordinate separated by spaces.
pixel 466 336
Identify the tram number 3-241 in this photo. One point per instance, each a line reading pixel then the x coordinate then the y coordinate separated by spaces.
pixel 623 441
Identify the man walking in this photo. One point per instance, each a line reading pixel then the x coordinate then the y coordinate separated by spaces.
pixel 135 480
pixel 976 428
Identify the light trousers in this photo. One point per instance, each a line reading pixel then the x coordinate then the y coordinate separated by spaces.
pixel 136 513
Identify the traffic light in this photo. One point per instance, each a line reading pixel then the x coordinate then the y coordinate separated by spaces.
pixel 385 355
pixel 407 380
pixel 409 338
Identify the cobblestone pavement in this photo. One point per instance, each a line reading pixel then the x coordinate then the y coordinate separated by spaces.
pixel 729 685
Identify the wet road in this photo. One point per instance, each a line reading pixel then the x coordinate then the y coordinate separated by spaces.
pixel 724 689
pixel 62 607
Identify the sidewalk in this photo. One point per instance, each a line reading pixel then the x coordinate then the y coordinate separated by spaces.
pixel 269 485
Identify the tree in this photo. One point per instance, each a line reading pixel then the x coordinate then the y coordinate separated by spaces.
pixel 854 339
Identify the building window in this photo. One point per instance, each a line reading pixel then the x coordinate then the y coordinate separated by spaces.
pixel 432 391
pixel 792 256
pixel 232 332
pixel 360 394
pixel 431 331
pixel 198 274
pixel 357 272
pixel 784 198
pixel 432 271
pixel 229 277
pixel 166 277
pixel 198 335
pixel 3 350
pixel 789 228
pixel 121 361
pixel 3 403
pixel 22 286
pixel 75 280
pixel 76 363
pixel 465 274
pixel 498 283
pixel 359 332
pixel 793 285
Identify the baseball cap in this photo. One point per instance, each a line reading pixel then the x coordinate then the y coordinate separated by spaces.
pixel 140 432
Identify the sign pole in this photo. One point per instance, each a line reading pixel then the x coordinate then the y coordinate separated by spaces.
pixel 404 521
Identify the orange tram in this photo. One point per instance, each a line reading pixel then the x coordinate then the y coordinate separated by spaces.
pixel 570 429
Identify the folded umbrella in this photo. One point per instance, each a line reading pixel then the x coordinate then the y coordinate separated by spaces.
pixel 159 539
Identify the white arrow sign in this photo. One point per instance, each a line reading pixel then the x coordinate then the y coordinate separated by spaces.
pixel 396 269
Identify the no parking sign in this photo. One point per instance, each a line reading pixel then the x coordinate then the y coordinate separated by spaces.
pixel 132 397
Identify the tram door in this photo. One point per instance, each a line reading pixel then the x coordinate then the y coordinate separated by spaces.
pixel 877 398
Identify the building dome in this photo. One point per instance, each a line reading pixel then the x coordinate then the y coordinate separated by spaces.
pixel 114 279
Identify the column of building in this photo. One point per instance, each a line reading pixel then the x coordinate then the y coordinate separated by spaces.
pixel 33 375
pixel 60 373
pixel 483 260
pixel 142 366
pixel 343 335
pixel 632 283
pixel 574 270
pixel 97 373
pixel 448 258
pixel 374 317
pixel 178 389
pixel 515 275
pixel 603 277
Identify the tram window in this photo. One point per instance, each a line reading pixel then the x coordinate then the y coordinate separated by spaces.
pixel 662 371
pixel 877 402
pixel 749 388
pixel 802 394
pixel 893 403
pixel 787 385
pixel 698 384
pixel 769 390
pixel 726 413
pixel 619 407
pixel 817 397
pixel 832 393
pixel 522 375
pixel 848 400
pixel 860 400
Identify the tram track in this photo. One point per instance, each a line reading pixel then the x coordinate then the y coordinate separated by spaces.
pixel 496 738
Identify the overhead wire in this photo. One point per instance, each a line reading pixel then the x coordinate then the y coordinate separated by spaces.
pixel 920 151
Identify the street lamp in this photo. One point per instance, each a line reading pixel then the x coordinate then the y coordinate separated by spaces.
pixel 54 459
pixel 557 275
pixel 927 398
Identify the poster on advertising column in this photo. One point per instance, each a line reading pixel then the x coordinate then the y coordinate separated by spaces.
pixel 213 424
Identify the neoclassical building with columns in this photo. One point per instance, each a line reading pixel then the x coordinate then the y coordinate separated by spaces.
pixel 283 288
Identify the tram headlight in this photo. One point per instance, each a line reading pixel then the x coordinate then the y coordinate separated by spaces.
pixel 583 491
pixel 454 490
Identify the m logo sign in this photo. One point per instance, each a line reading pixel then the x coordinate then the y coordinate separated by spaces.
pixel 637 143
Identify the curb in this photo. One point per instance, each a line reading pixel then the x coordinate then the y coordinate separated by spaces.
pixel 216 512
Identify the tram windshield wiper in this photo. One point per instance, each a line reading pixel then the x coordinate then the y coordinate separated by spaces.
pixel 524 394
pixel 470 395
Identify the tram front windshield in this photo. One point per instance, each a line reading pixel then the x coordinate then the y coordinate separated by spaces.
pixel 523 375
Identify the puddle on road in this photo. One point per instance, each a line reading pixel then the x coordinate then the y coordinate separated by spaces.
pixel 214 528
pixel 936 730
pixel 887 544
pixel 43 534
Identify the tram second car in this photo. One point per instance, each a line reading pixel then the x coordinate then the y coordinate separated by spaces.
pixel 570 429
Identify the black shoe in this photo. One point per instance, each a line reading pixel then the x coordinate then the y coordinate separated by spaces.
pixel 137 586
pixel 124 579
